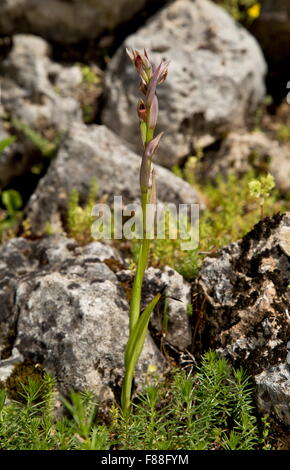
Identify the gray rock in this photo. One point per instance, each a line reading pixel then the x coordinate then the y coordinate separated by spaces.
pixel 95 152
pixel 273 392
pixel 31 90
pixel 68 312
pixel 7 365
pixel 171 318
pixel 40 94
pixel 14 159
pixel 239 152
pixel 215 81
pixel 65 21
pixel 247 303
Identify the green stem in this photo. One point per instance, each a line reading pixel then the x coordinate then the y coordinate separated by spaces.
pixel 135 305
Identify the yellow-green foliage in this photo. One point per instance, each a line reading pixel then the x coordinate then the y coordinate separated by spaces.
pixel 79 219
pixel 283 133
pixel 241 10
pixel 89 75
pixel 89 91
pixel 232 211
pixel 45 146
pixel 6 142
pixel 10 214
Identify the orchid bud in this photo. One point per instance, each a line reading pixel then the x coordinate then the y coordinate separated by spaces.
pixel 146 61
pixel 145 170
pixel 153 114
pixel 153 145
pixel 142 64
pixel 159 76
pixel 131 53
pixel 164 72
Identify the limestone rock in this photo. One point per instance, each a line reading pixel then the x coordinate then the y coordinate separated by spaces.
pixel 33 90
pixel 274 391
pixel 215 81
pixel 66 21
pixel 172 313
pixel 66 310
pixel 239 152
pixel 247 305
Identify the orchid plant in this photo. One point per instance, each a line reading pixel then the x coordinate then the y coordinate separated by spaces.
pixel 147 109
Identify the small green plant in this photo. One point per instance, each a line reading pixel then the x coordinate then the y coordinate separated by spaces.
pixel 30 424
pixel 11 214
pixel 80 219
pixel 89 91
pixel 232 211
pixel 89 75
pixel 261 189
pixel 6 143
pixel 82 407
pixel 211 409
pixel 46 147
pixel 283 133
pixel 148 113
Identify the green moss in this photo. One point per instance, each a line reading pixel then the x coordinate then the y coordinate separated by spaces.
pixel 22 373
pixel 89 91
pixel 10 214
pixel 79 219
pixel 89 75
pixel 88 111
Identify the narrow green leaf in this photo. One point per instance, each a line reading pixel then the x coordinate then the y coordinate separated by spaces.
pixel 133 351
pixel 6 142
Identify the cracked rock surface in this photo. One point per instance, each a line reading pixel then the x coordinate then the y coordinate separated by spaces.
pixel 36 90
pixel 247 307
pixel 63 307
